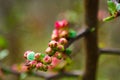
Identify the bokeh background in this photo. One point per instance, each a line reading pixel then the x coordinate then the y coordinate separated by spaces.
pixel 28 24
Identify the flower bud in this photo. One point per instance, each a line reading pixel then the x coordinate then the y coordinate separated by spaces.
pixel 45 67
pixel 31 56
pixel 60 47
pixel 33 63
pixel 53 44
pixel 54 37
pixel 39 66
pixel 55 31
pixel 37 56
pixel 26 53
pixel 47 59
pixel 63 33
pixel 61 24
pixel 49 51
pixel 63 41
pixel 58 55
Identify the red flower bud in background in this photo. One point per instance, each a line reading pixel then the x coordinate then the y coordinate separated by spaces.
pixel 61 24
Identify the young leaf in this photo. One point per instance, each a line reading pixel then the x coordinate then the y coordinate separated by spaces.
pixel 111 7
pixel 72 33
pixel 108 18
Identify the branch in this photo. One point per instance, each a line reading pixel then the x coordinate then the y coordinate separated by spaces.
pixel 110 51
pixel 80 34
pixel 63 74
pixel 46 75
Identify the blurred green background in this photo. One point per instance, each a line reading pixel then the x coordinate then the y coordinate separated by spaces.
pixel 28 24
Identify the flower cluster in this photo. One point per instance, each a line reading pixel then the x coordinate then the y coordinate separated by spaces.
pixel 56 48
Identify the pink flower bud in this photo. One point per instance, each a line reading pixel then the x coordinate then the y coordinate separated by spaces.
pixel 37 56
pixel 60 47
pixel 26 53
pixel 58 55
pixel 63 33
pixel 53 44
pixel 33 63
pixel 47 59
pixel 61 24
pixel 54 37
pixel 63 41
pixel 49 51
pixel 55 31
pixel 54 63
pixel 39 66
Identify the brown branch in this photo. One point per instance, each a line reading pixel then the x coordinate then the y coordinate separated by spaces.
pixel 46 75
pixel 80 34
pixel 111 51
pixel 65 74
pixel 91 40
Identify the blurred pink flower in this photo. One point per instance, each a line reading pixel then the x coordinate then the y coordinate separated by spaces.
pixel 102 14
pixel 54 63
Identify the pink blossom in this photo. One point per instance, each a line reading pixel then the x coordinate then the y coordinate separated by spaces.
pixel 26 53
pixel 47 59
pixel 61 24
pixel 54 63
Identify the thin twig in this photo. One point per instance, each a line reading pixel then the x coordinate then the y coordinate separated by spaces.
pixel 80 34
pixel 46 75
pixel 111 51
pixel 76 73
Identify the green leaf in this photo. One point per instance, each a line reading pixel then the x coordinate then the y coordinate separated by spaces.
pixel 108 18
pixel 111 7
pixel 31 56
pixel 68 51
pixel 72 33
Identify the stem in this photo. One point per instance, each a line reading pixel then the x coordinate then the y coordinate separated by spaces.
pixel 80 34
pixel 91 41
pixel 46 75
pixel 111 51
